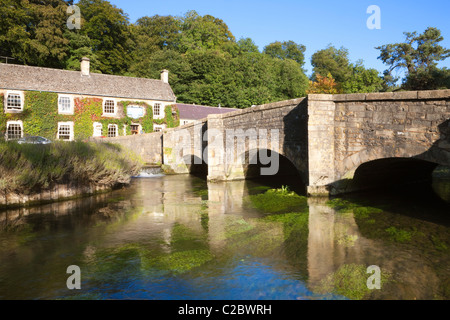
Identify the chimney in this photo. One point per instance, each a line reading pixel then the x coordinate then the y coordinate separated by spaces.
pixel 85 66
pixel 165 76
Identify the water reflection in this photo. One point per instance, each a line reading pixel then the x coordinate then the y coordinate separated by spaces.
pixel 177 237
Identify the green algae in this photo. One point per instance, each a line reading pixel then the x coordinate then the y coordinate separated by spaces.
pixel 177 262
pixel 292 222
pixel 350 280
pixel 399 235
pixel 438 243
pixel 278 200
pixel 359 211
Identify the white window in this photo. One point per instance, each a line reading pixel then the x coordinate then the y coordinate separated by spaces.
pixel 65 104
pixel 65 131
pixel 109 107
pixel 157 109
pixel 158 128
pixel 98 129
pixel 113 130
pixel 14 101
pixel 14 130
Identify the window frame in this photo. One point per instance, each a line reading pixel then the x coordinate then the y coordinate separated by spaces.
pixel 117 130
pixel 14 122
pixel 22 101
pixel 160 105
pixel 71 108
pixel 71 133
pixel 107 114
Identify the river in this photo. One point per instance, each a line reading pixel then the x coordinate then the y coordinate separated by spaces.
pixel 179 237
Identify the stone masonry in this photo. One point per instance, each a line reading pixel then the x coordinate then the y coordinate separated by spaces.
pixel 326 137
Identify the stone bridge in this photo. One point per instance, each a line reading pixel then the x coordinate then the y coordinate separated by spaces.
pixel 335 143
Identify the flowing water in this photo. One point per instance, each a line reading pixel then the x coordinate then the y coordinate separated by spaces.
pixel 179 237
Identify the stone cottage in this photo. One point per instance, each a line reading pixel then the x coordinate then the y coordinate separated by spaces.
pixel 68 105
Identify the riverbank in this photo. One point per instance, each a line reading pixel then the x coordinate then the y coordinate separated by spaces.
pixel 33 174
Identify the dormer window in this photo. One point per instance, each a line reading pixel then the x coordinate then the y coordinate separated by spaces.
pixel 14 101
pixel 109 107
pixel 65 105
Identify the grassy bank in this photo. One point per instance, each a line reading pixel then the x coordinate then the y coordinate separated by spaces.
pixel 28 168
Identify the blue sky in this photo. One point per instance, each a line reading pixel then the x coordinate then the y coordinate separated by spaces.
pixel 313 23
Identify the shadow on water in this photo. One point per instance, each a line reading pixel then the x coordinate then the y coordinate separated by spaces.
pixel 287 175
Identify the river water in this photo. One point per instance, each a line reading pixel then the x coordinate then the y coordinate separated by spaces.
pixel 179 237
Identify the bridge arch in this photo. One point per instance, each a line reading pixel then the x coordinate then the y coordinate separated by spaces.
pixel 381 166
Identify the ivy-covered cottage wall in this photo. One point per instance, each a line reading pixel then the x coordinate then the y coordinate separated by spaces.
pixel 40 116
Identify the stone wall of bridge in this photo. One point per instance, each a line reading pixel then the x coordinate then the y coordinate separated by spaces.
pixel 280 127
pixel 326 137
pixel 148 146
pixel 346 131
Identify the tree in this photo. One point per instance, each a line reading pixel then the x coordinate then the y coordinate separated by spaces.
pixel 205 32
pixel 109 31
pixel 362 80
pixel 33 31
pixel 323 85
pixel 286 50
pixel 350 77
pixel 418 57
pixel 432 79
pixel 247 45
pixel 332 61
pixel 80 46
pixel 157 33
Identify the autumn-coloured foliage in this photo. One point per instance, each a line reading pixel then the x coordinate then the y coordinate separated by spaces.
pixel 324 85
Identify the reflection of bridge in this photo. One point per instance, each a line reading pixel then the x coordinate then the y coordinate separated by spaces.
pixel 337 143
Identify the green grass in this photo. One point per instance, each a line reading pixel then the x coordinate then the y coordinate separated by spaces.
pixel 28 168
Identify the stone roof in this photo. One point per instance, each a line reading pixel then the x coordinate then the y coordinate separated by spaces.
pixel 18 77
pixel 194 112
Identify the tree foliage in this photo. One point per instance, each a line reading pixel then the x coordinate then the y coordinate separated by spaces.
pixel 32 31
pixel 286 50
pixel 207 64
pixel 418 56
pixel 350 77
pixel 324 85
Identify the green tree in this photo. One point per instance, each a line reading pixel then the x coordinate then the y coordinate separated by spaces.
pixel 332 61
pixel 247 45
pixel 362 80
pixel 350 77
pixel 80 46
pixel 157 33
pixel 418 57
pixel 109 30
pixel 32 31
pixel 203 32
pixel 286 50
